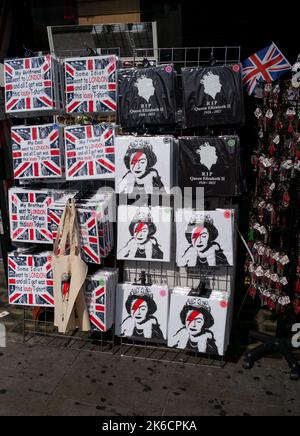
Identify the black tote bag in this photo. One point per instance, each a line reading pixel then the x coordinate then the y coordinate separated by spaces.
pixel 147 97
pixel 213 96
pixel 211 163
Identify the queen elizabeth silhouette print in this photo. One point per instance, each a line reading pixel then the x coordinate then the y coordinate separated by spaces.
pixel 212 96
pixel 145 87
pixel 212 84
pixel 205 240
pixel 208 155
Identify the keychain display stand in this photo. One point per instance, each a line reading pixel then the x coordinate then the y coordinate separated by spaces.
pixel 38 327
pixel 274 217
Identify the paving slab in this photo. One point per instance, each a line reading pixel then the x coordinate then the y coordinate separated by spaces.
pixel 42 380
pixel 124 384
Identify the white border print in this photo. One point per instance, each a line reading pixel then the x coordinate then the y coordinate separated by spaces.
pixel 199 324
pixel 144 234
pixel 143 164
pixel 142 312
pixel 204 238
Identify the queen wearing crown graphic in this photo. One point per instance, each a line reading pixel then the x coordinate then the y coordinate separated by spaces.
pixel 203 249
pixel 141 321
pixel 140 161
pixel 143 244
pixel 195 335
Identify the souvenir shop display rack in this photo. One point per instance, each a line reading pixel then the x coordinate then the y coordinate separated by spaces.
pixel 37 326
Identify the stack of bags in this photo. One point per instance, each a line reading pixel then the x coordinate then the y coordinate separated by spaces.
pixel 96 228
pixel 30 279
pixel 33 86
pixel 28 209
pixel 37 152
pixel 91 84
pixel 100 291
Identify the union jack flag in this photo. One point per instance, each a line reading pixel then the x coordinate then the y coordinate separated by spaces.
pixel 29 84
pixel 90 243
pixel 36 151
pixel 30 280
pixel 28 216
pixel 100 72
pixel 266 65
pixel 95 295
pixel 90 152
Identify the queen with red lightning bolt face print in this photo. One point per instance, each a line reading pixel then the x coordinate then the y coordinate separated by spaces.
pixel 143 244
pixel 142 175
pixel 205 239
pixel 144 233
pixel 195 335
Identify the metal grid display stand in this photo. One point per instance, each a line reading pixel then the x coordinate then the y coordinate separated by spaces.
pixel 40 329
pixel 222 278
pixel 169 274
pixel 173 276
pixel 182 57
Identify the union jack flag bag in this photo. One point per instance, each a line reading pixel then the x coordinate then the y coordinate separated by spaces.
pixel 29 215
pixel 30 85
pixel 30 279
pixel 37 151
pixel 90 152
pixel 266 65
pixel 100 298
pixel 89 232
pixel 91 84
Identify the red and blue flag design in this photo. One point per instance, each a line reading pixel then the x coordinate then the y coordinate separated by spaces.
pixel 266 65
pixel 89 231
pixel 96 302
pixel 91 84
pixel 90 152
pixel 29 84
pixel 36 152
pixel 29 215
pixel 30 280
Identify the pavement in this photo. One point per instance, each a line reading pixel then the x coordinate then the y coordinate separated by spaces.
pixel 38 380
pixel 45 380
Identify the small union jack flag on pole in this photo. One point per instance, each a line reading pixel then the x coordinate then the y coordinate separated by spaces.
pixel 29 85
pixel 30 280
pixel 91 84
pixel 90 152
pixel 36 151
pixel 267 65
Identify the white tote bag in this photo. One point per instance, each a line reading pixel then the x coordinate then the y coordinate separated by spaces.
pixel 69 275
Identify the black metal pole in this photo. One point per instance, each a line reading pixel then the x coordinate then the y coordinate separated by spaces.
pixel 4 235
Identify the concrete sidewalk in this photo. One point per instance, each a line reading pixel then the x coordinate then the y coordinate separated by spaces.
pixel 40 380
